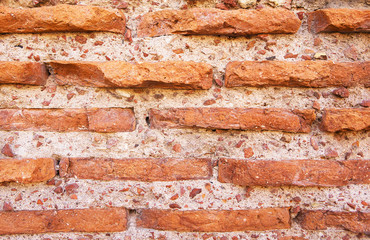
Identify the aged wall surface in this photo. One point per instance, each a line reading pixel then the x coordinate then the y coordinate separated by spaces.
pixel 184 119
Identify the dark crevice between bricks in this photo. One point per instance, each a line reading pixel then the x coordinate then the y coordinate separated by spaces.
pixel 57 159
pixel 147 120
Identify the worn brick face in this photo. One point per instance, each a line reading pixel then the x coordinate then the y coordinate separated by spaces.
pixel 297 74
pixel 73 220
pixel 346 119
pixel 172 74
pixel 136 169
pixel 339 20
pixel 209 21
pixel 61 18
pixel 306 173
pixel 30 73
pixel 215 221
pixel 234 118
pixel 68 120
pixel 358 222
pixel 26 170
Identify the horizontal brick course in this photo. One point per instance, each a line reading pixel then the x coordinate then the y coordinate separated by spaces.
pixel 305 173
pixel 136 169
pixel 30 73
pixel 339 20
pixel 234 118
pixel 173 74
pixel 358 222
pixel 208 21
pixel 72 220
pixel 26 170
pixel 68 120
pixel 297 74
pixel 61 18
pixel 352 119
pixel 215 221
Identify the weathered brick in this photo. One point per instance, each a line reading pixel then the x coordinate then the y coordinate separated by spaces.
pixel 339 20
pixel 297 74
pixel 31 73
pixel 294 172
pixel 215 221
pixel 136 169
pixel 353 119
pixel 172 74
pixel 358 222
pixel 26 170
pixel 68 120
pixel 111 119
pixel 72 220
pixel 61 18
pixel 206 21
pixel 234 118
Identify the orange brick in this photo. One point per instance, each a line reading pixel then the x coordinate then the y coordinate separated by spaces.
pixel 323 173
pixel 61 18
pixel 339 20
pixel 172 74
pixel 352 119
pixel 26 170
pixel 215 221
pixel 72 220
pixel 234 118
pixel 68 120
pixel 31 73
pixel 358 222
pixel 297 74
pixel 208 21
pixel 136 169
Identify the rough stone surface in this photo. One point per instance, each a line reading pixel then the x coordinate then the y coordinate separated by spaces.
pixel 175 75
pixel 68 120
pixel 61 18
pixel 23 73
pixel 351 119
pixel 339 20
pixel 297 74
pixel 358 222
pixel 136 169
pixel 237 118
pixel 218 22
pixel 26 170
pixel 322 173
pixel 215 221
pixel 72 220
pixel 247 3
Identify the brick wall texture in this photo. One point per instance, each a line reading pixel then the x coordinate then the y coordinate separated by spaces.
pixel 184 119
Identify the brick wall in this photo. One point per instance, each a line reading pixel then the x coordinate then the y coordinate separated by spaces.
pixel 197 119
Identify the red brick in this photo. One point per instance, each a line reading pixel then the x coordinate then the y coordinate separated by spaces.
pixel 171 74
pixel 215 221
pixel 233 118
pixel 68 120
pixel 297 74
pixel 353 119
pixel 26 170
pixel 323 173
pixel 72 220
pixel 61 18
pixel 358 222
pixel 136 169
pixel 31 73
pixel 339 20
pixel 207 21
pixel 111 120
